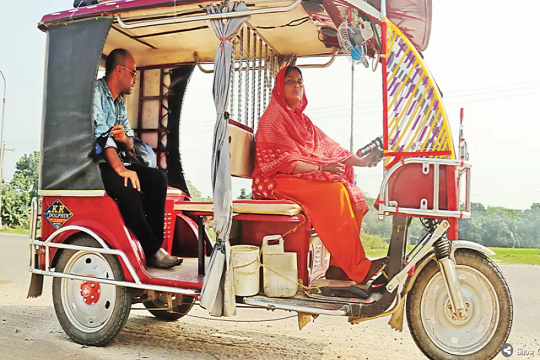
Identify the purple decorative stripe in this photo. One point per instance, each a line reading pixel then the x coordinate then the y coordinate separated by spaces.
pixel 435 132
pixel 415 73
pixel 394 140
pixel 436 105
pixel 411 88
pixel 401 148
pixel 391 57
pixel 430 93
pixel 422 133
pixel 392 83
pixel 425 81
pixel 400 48
pixel 399 103
pixel 410 59
pixel 411 108
pixel 395 87
pixel 416 122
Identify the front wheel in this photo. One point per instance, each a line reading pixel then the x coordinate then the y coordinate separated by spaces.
pixel 489 310
pixel 90 313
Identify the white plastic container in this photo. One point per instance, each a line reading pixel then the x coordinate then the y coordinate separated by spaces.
pixel 286 265
pixel 272 244
pixel 245 264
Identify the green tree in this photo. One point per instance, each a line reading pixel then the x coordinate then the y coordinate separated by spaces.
pixel 17 194
pixel 244 195
pixel 196 194
pixel 26 177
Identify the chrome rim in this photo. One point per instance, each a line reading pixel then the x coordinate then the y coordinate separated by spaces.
pixel 84 314
pixel 460 336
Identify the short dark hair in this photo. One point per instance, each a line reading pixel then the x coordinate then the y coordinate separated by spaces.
pixel 116 57
pixel 291 68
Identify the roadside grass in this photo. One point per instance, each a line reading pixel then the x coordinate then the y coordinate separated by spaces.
pixel 517 256
pixel 503 255
pixel 16 231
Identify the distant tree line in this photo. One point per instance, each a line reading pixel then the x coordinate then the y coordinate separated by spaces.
pixel 490 226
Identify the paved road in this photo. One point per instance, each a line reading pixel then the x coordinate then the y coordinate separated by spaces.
pixel 29 329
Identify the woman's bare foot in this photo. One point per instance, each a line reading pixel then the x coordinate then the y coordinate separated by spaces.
pixel 375 268
pixel 336 273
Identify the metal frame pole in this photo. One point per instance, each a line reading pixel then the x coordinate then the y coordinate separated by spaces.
pixel 2 146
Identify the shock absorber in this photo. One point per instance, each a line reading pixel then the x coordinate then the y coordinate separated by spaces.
pixel 442 248
pixel 442 245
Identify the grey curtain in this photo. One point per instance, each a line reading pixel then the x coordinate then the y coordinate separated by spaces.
pixel 218 290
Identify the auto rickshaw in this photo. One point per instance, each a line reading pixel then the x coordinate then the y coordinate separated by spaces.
pixel 458 304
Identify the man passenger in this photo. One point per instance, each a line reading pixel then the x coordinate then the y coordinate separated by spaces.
pixel 124 181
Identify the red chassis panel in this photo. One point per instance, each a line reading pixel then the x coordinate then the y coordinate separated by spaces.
pixel 409 185
pixel 101 215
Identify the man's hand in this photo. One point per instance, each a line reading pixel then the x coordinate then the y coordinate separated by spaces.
pixel 336 168
pixel 119 133
pixel 130 175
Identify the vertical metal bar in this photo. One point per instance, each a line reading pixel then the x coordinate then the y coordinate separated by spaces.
pixel 468 201
pixel 201 245
pixel 436 187
pixel 271 79
pixel 160 114
pixel 259 75
pixel 248 43
pixel 240 75
pixel 141 95
pixel 352 107
pixel 253 81
pixel 266 58
pixel 384 89
pixel 233 77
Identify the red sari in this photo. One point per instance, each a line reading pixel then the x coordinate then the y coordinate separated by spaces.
pixel 333 204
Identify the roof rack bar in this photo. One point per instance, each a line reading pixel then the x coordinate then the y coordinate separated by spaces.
pixel 205 17
pixel 321 66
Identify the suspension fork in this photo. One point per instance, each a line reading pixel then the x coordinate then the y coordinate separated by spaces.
pixel 447 266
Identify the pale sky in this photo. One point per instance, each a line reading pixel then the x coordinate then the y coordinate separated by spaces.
pixel 480 53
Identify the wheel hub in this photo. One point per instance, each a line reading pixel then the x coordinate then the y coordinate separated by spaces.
pixel 90 292
pixel 467 314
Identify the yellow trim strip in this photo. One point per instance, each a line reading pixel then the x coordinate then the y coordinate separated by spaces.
pixel 392 41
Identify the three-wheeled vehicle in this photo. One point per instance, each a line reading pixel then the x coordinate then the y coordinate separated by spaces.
pixel 458 303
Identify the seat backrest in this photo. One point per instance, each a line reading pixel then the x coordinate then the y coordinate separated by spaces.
pixel 242 149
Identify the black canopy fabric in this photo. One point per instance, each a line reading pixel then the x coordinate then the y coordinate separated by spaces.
pixel 179 79
pixel 72 58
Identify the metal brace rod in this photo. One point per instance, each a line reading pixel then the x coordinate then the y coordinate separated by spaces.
pixel 402 275
pixel 205 17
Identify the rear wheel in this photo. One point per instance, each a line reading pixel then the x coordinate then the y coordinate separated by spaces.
pixel 489 309
pixel 90 313
pixel 181 305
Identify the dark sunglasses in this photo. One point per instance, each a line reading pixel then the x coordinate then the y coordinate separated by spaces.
pixel 133 73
